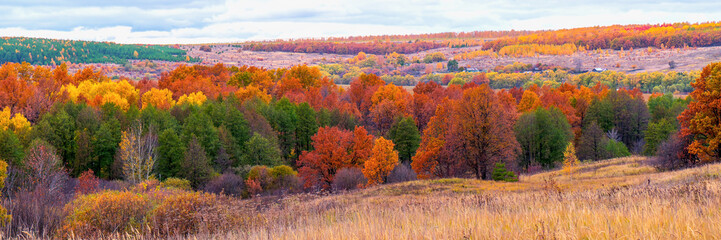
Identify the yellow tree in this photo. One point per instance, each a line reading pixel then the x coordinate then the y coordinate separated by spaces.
pixel 570 161
pixel 4 216
pixel 137 153
pixel 196 98
pixel 381 163
pixel 529 101
pixel 17 123
pixel 160 98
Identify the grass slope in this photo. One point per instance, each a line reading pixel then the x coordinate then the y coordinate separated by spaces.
pixel 614 199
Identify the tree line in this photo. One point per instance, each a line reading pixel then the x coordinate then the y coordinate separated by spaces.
pixel 40 51
pixel 201 122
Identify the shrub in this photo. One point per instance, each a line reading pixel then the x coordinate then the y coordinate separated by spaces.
pixel 87 183
pixel 672 153
pixel 176 183
pixel 501 174
pixel 401 173
pixel 228 184
pixel 105 213
pixel 348 179
pixel 260 174
pixel 616 149
pixel 253 187
pixel 39 212
pixel 285 178
pixel 178 212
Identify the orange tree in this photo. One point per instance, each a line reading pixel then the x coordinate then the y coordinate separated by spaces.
pixel 702 119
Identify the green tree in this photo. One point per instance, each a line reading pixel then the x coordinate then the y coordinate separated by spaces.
pixel 406 137
pixel 592 143
pixel 452 65
pixel 59 130
pixel 307 127
pixel 616 149
pixel 543 135
pixel 200 125
pixel 10 148
pixel 170 154
pixel 260 151
pixel 657 133
pixel 105 144
pixel 195 166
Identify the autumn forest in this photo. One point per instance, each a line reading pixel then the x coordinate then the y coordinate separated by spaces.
pixel 106 140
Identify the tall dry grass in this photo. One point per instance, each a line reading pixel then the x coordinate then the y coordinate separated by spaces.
pixel 614 199
pixel 673 205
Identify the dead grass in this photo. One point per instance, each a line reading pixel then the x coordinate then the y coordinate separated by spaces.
pixel 620 198
pixel 610 199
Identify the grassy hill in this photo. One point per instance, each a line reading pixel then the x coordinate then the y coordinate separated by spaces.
pixel 618 198
pixel 41 51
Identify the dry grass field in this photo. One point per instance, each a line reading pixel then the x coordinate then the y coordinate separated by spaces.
pixel 614 199
pixel 635 60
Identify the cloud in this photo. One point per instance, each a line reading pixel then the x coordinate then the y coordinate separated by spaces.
pixel 196 21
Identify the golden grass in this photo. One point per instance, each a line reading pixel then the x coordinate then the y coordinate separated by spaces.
pixel 620 198
pixel 610 199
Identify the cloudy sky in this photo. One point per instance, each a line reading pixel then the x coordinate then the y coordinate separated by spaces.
pixel 195 21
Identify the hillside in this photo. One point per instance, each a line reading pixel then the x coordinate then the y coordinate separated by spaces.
pixel 40 51
pixel 611 199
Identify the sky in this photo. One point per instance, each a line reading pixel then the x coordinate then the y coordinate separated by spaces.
pixel 222 21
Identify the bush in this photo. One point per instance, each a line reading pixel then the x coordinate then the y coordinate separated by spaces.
pixel 87 183
pixel 228 184
pixel 348 179
pixel 39 212
pixel 616 149
pixel 178 213
pixel 176 183
pixel 501 174
pixel 105 213
pixel 401 173
pixel 672 153
pixel 260 174
pixel 285 178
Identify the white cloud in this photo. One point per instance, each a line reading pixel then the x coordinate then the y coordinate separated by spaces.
pixel 168 21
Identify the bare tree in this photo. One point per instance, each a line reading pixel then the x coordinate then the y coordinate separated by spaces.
pixel 137 152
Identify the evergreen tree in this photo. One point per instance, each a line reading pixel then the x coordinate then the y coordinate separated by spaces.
pixel 260 151
pixel 406 137
pixel 200 125
pixel 10 148
pixel 307 127
pixel 170 154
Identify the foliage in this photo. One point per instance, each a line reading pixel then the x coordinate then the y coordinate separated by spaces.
pixel 382 161
pixel 170 152
pixel 160 98
pixel 404 134
pixel 137 152
pixel 260 151
pixel 570 161
pixel 501 174
pixel 105 213
pixel 543 135
pixel 42 51
pixel 195 165
pixel 87 183
pixel 701 120
pixel 177 183
pixel 616 149
pixel 333 149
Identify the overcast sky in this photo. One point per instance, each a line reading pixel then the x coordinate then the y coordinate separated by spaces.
pixel 191 21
